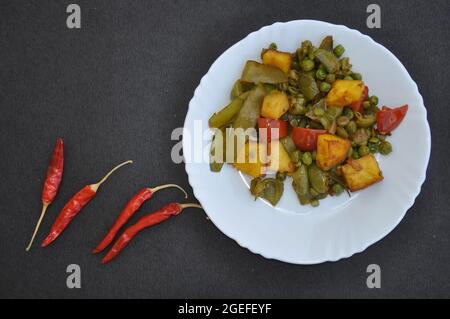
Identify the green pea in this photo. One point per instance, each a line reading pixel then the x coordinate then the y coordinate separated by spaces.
pixel 307 65
pixel 296 156
pixel 372 147
pixel 373 100
pixel 348 77
pixel 351 127
pixel 273 46
pixel 342 120
pixel 315 203
pixel 374 140
pixel 307 158
pixel 324 87
pixel 337 189
pixel 321 74
pixel 281 176
pixel 330 78
pixel 340 131
pixel 355 154
pixel 339 50
pixel 366 105
pixel 363 150
pixel 319 111
pixel 357 76
pixel 349 113
pixel 385 148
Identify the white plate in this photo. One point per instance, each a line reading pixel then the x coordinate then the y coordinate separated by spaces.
pixel 340 226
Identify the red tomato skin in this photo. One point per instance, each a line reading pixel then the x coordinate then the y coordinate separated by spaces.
pixel 268 124
pixel 388 119
pixel 305 138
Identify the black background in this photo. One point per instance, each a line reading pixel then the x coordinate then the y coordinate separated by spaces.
pixel 117 87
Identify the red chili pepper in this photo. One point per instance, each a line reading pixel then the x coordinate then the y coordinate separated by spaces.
pixel 74 206
pixel 131 207
pixel 356 106
pixel 157 217
pixel 51 184
pixel 388 119
pixel 305 138
pixel 268 125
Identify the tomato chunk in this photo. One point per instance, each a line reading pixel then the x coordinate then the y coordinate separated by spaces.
pixel 305 138
pixel 388 119
pixel 269 124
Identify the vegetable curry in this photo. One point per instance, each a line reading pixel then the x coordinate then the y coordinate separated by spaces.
pixel 313 120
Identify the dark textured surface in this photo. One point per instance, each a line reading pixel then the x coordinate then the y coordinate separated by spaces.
pixel 115 90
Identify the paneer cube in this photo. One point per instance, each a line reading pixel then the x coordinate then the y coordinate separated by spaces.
pixel 280 161
pixel 345 92
pixel 251 159
pixel 331 151
pixel 361 173
pixel 275 105
pixel 281 60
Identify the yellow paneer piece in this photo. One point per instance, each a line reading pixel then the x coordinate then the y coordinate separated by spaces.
pixel 281 60
pixel 281 161
pixel 331 151
pixel 361 173
pixel 275 105
pixel 251 159
pixel 345 92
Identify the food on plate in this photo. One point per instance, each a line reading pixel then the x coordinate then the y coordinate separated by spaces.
pixel 312 119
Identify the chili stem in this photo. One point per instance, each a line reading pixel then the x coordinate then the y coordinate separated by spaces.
pixel 191 205
pixel 44 209
pixel 97 185
pixel 157 188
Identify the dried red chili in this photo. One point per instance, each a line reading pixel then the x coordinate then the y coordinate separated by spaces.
pixel 51 184
pixel 149 220
pixel 75 205
pixel 130 208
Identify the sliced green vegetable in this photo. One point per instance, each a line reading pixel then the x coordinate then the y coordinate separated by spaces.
pixel 318 179
pixel 327 43
pixel 365 121
pixel 240 87
pixel 288 144
pixel 255 72
pixel 216 164
pixel 328 59
pixel 300 182
pixel 251 109
pixel 308 86
pixel 270 189
pixel 225 116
